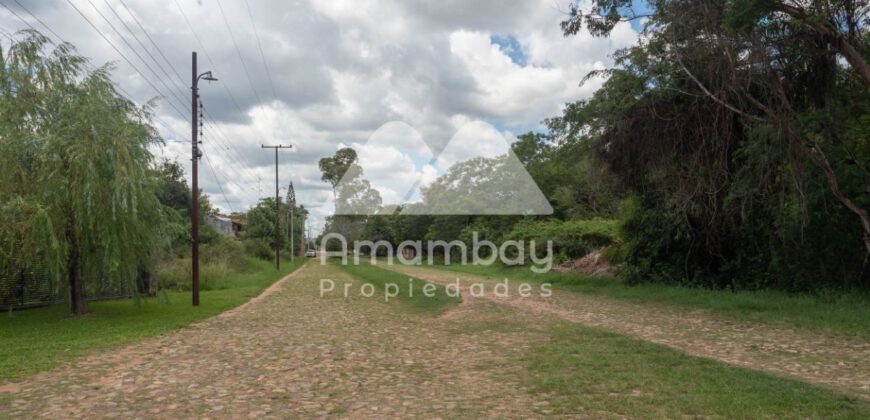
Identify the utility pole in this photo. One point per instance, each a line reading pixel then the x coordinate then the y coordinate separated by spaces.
pixel 291 201
pixel 292 253
pixel 194 174
pixel 277 206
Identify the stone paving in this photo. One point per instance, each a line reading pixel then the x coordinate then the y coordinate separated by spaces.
pixel 292 353
pixel 817 357
pixel 295 354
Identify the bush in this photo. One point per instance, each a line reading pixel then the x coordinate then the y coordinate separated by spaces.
pixel 571 239
pixel 258 248
pixel 219 260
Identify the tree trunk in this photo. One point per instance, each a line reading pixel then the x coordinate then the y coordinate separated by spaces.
pixel 77 303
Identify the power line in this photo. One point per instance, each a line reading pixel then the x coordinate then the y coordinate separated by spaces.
pixel 208 57
pixel 124 93
pixel 238 51
pixel 147 51
pixel 260 46
pixel 147 80
pixel 230 153
pixel 232 156
pixel 213 169
pixel 37 19
pixel 174 94
pixel 159 50
pixel 218 181
pixel 205 51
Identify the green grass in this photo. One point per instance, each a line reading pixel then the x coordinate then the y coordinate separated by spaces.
pixel 847 314
pixel 410 291
pixel 38 339
pixel 593 370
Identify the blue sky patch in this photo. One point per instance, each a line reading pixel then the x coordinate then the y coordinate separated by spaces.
pixel 511 47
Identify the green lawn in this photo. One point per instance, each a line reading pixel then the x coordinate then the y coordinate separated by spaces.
pixel 840 313
pixel 410 292
pixel 38 339
pixel 589 369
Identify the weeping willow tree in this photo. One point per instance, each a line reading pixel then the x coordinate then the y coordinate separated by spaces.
pixel 76 191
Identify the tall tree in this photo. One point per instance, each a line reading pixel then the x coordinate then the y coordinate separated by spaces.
pixel 738 124
pixel 76 188
pixel 334 167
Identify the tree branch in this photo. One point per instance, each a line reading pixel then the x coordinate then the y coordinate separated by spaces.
pixel 837 40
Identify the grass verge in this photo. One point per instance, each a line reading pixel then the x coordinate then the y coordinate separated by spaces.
pixel 591 370
pixel 847 314
pixel 409 291
pixel 38 339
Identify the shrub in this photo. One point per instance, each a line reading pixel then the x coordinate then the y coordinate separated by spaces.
pixel 571 239
pixel 258 248
pixel 219 261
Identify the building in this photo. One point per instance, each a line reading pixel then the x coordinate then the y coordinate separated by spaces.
pixel 226 226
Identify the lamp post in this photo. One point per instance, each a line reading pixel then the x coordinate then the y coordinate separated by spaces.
pixel 194 99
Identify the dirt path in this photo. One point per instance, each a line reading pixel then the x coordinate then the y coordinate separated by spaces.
pixel 838 362
pixel 292 354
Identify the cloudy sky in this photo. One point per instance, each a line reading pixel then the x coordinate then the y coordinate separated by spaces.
pixel 322 74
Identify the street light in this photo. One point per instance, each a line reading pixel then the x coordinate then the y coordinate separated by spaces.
pixel 194 92
pixel 208 76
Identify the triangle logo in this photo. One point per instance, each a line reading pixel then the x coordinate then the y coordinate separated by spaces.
pixel 477 173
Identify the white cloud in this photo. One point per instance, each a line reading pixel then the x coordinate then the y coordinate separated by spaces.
pixel 340 69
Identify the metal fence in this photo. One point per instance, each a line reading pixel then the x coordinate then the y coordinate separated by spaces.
pixel 31 286
pixel 23 287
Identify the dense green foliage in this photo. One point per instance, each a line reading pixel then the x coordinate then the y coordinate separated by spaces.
pixel 730 143
pixel 259 233
pixel 221 260
pixel 76 189
pixel 83 199
pixel 740 130
pixel 569 238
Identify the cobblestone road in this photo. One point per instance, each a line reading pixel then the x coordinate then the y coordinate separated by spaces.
pixel 296 354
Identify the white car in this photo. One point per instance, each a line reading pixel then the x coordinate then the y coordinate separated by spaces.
pixel 310 253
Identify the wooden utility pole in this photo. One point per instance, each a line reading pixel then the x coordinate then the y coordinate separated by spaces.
pixel 292 247
pixel 277 206
pixel 194 174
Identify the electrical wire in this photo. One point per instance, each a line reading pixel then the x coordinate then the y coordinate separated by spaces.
pixel 260 46
pixel 135 52
pixel 238 51
pixel 124 93
pixel 147 80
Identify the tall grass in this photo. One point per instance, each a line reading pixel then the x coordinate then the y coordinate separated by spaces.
pixel 221 261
